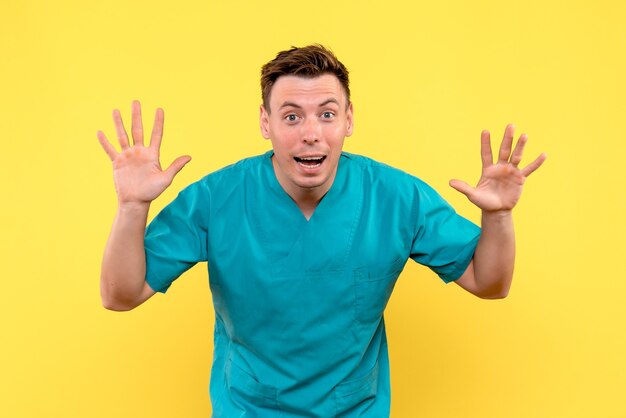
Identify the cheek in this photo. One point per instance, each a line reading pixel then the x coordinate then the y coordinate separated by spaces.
pixel 336 138
pixel 336 132
pixel 283 134
pixel 283 146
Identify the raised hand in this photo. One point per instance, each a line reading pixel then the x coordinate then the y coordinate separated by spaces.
pixel 500 185
pixel 137 171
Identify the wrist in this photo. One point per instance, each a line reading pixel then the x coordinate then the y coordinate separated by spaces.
pixel 137 208
pixel 497 215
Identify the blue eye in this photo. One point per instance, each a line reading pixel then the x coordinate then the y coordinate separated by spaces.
pixel 291 118
pixel 328 115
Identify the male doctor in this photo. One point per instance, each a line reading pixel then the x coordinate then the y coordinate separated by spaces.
pixel 303 244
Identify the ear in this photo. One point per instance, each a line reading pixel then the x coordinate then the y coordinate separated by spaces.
pixel 349 120
pixel 264 122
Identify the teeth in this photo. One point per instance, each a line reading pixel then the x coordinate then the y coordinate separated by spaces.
pixel 310 162
pixel 310 165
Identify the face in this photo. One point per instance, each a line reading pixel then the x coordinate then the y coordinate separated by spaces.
pixel 307 121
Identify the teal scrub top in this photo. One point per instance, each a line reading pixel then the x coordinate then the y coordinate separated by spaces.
pixel 299 327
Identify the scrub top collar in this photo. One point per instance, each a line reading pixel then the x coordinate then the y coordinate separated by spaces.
pixel 325 240
pixel 339 185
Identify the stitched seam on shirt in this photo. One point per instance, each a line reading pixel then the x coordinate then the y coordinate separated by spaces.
pixel 357 218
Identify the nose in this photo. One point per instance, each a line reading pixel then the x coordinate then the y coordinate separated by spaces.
pixel 311 130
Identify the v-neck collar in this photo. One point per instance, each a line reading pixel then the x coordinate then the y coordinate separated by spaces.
pixel 284 197
pixel 323 242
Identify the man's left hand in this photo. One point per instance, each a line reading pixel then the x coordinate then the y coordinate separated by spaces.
pixel 500 185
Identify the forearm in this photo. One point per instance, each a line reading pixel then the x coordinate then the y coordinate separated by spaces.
pixel 124 262
pixel 495 254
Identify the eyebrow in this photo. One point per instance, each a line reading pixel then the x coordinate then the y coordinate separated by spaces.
pixel 297 106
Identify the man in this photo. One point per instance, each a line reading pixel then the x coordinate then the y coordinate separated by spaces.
pixel 304 245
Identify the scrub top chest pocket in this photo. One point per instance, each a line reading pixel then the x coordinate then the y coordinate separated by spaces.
pixel 373 287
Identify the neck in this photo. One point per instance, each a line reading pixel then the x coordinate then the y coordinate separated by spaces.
pixel 306 199
pixel 307 205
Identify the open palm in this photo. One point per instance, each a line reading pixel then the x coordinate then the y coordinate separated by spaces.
pixel 137 171
pixel 500 185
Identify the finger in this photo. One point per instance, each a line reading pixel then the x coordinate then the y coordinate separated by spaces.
pixel 157 130
pixel 507 143
pixel 516 157
pixel 485 149
pixel 462 187
pixel 530 168
pixel 119 128
pixel 137 126
pixel 108 148
pixel 177 165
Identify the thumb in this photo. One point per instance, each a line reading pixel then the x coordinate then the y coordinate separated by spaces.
pixel 462 187
pixel 177 165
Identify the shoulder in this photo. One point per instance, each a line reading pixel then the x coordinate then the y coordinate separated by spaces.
pixel 239 169
pixel 229 176
pixel 376 173
pixel 384 183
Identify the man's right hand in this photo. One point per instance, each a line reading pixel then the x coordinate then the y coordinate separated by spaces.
pixel 137 171
pixel 139 180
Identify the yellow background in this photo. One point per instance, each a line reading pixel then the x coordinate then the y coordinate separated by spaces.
pixel 426 78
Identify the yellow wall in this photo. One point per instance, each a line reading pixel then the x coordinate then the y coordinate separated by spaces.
pixel 426 78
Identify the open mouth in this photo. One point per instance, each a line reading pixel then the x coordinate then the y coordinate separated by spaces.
pixel 310 162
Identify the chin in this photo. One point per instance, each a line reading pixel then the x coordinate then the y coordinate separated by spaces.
pixel 310 184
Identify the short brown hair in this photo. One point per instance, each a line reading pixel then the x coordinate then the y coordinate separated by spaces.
pixel 309 61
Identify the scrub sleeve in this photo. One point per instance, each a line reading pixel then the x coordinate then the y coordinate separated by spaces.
pixel 444 241
pixel 177 237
